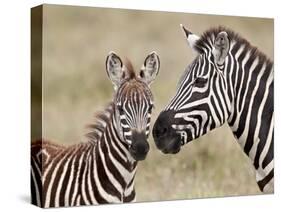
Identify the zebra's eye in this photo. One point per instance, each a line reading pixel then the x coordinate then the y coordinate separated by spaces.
pixel 150 107
pixel 200 82
pixel 120 108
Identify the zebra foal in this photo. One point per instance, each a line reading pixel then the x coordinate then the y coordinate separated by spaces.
pixel 229 81
pixel 103 169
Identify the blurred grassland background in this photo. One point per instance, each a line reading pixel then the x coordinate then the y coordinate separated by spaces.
pixel 76 41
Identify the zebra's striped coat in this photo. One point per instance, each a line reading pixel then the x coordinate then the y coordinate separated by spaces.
pixel 103 169
pixel 68 172
pixel 229 81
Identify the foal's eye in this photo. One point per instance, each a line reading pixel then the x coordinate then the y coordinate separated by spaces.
pixel 150 107
pixel 120 108
pixel 200 82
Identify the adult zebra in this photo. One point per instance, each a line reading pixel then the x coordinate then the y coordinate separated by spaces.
pixel 103 169
pixel 229 81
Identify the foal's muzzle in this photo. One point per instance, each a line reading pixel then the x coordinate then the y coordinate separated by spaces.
pixel 140 146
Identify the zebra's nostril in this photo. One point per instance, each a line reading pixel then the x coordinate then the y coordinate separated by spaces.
pixel 162 127
pixel 140 148
pixel 160 132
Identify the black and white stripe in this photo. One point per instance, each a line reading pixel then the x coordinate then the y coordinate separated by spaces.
pixel 103 169
pixel 229 81
pixel 90 173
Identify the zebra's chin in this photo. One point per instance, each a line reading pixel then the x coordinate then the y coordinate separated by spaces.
pixel 137 156
pixel 171 145
pixel 174 151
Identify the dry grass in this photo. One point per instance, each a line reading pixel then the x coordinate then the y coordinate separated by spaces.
pixel 76 42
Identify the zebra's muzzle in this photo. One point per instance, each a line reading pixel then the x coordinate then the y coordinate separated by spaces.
pixel 140 146
pixel 165 137
pixel 172 147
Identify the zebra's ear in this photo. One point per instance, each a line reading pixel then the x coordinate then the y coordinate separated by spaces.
pixel 114 69
pixel 221 47
pixel 150 68
pixel 190 38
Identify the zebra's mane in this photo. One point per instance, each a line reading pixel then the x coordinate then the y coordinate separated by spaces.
pixel 212 33
pixel 101 120
pixel 130 72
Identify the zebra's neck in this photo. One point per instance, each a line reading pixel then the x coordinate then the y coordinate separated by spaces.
pixel 111 153
pixel 251 95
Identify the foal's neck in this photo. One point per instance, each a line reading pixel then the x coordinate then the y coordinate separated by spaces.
pixel 109 145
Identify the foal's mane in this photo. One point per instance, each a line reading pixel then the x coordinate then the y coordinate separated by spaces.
pixel 212 33
pixel 101 120
pixel 130 72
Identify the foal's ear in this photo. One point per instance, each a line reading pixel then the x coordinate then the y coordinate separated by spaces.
pixel 190 38
pixel 114 69
pixel 221 47
pixel 150 68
